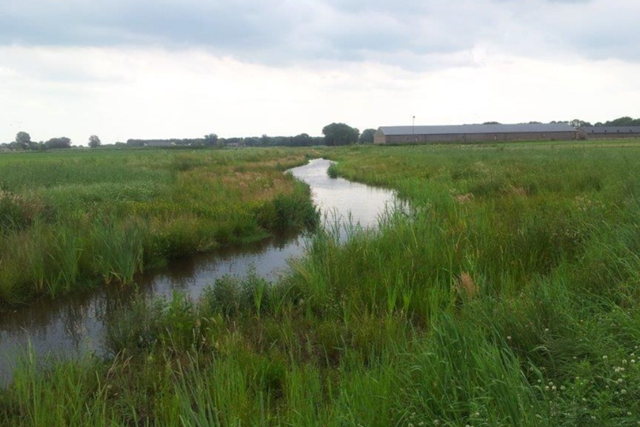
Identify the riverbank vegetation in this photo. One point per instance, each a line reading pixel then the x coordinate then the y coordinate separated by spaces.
pixel 508 296
pixel 73 220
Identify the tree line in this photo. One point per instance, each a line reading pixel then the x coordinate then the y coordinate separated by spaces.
pixel 23 142
pixel 334 134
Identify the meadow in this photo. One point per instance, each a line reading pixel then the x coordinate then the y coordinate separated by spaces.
pixel 71 221
pixel 508 296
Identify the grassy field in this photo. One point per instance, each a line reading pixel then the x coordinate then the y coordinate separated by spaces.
pixel 73 220
pixel 509 297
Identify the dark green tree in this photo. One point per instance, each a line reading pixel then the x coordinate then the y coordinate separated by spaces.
pixel 211 140
pixel 94 141
pixel 62 142
pixel 577 123
pixel 340 134
pixel 367 136
pixel 23 140
pixel 623 121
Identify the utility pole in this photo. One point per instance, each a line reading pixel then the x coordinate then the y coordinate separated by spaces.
pixel 413 129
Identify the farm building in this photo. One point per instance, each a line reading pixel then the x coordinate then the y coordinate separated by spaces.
pixel 474 133
pixel 611 132
pixel 162 144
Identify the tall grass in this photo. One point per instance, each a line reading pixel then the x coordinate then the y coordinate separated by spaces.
pixel 70 221
pixel 508 296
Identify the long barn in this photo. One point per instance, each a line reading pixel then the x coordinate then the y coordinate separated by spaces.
pixel 474 133
pixel 611 132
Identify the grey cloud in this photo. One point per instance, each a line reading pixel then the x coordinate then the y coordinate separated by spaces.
pixel 289 31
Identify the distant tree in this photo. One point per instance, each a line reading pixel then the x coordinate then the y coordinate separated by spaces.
pixel 340 134
pixel 135 143
pixel 491 123
pixel 23 140
pixel 367 136
pixel 623 121
pixel 211 140
pixel 534 123
pixel 577 123
pixel 94 141
pixel 62 142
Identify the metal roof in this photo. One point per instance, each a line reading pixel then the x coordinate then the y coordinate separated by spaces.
pixel 475 129
pixel 611 129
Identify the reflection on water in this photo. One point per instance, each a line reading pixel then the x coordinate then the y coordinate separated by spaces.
pixel 74 325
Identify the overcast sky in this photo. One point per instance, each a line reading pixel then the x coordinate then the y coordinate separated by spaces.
pixel 182 68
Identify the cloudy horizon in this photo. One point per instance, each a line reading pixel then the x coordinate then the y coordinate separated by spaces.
pixel 177 69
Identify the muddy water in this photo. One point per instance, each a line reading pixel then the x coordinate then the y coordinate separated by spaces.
pixel 74 325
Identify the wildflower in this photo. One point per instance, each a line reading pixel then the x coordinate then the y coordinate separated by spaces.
pixel 605 357
pixel 623 391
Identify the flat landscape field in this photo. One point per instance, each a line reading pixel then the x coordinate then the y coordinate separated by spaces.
pixel 73 220
pixel 508 295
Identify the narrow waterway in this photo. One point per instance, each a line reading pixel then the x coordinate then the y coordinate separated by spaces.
pixel 74 325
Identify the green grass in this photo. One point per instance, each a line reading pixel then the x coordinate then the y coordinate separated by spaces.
pixel 73 220
pixel 508 296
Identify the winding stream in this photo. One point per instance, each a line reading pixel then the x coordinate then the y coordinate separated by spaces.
pixel 74 325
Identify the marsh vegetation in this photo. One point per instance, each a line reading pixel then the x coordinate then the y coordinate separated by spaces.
pixel 509 295
pixel 70 221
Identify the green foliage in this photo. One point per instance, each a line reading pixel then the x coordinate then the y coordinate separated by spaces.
pixel 62 142
pixel 507 295
pixel 70 221
pixel 623 121
pixel 367 136
pixel 94 141
pixel 23 140
pixel 332 171
pixel 340 134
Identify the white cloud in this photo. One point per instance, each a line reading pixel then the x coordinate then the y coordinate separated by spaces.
pixel 182 68
pixel 120 93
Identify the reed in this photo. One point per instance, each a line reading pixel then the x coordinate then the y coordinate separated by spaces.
pixel 71 221
pixel 507 295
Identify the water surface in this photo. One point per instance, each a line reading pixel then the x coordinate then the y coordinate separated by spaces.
pixel 74 325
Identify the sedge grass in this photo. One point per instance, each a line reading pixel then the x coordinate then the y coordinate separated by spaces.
pixel 508 296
